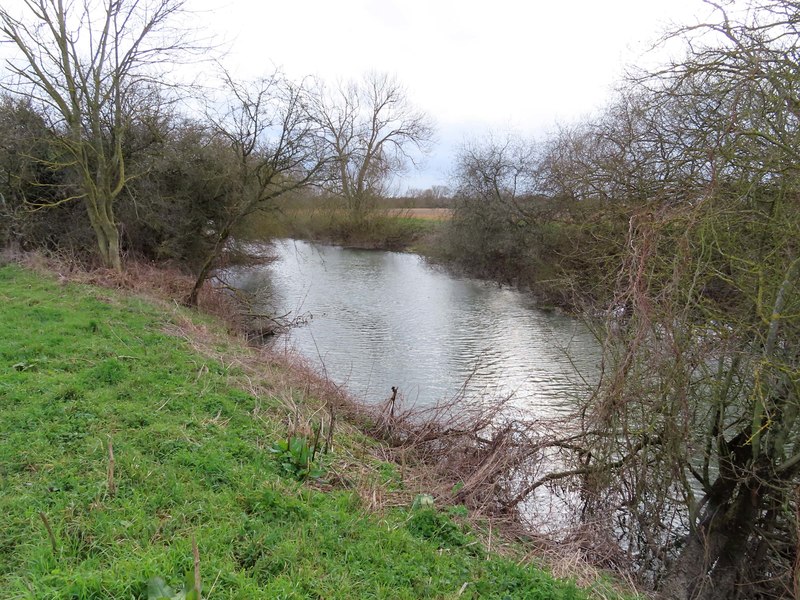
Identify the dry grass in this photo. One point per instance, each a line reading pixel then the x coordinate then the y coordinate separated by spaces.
pixel 429 214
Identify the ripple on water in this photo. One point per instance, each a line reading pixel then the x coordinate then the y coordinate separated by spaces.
pixel 383 319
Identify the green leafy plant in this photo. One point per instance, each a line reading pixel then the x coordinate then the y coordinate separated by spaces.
pixel 429 524
pixel 296 456
pixel 423 501
pixel 157 589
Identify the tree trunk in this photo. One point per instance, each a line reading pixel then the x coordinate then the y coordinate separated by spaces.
pixel 208 264
pixel 709 565
pixel 191 299
pixel 111 252
pixel 106 232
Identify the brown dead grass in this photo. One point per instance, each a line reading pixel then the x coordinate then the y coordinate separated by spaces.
pixel 429 214
pixel 159 283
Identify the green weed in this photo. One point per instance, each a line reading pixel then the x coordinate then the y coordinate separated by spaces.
pixel 157 589
pixel 296 457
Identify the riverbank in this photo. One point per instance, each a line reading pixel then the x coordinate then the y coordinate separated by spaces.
pixel 139 440
pixel 395 229
pixel 566 265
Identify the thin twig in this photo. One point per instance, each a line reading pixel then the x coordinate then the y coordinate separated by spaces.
pixel 197 581
pixel 489 544
pixel 52 537
pixel 112 486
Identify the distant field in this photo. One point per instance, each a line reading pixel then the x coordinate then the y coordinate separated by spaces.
pixel 433 214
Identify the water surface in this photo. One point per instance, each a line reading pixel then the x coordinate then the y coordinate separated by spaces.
pixel 381 319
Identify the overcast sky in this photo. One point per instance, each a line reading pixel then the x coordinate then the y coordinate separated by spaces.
pixel 472 65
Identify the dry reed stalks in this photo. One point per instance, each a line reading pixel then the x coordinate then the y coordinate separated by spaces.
pixel 111 484
pixel 478 453
pixel 51 536
pixel 198 585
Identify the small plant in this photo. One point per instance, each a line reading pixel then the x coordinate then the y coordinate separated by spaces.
pixel 157 589
pixel 423 501
pixel 429 524
pixel 296 456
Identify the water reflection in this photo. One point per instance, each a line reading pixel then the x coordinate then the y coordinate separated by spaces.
pixel 382 319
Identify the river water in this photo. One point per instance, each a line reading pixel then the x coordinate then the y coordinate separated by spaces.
pixel 380 319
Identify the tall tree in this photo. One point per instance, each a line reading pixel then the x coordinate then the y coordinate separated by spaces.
pixel 372 130
pixel 273 147
pixel 83 63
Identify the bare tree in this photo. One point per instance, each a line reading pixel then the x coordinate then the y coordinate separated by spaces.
pixel 372 130
pixel 739 89
pixel 274 148
pixel 639 148
pixel 498 172
pixel 83 62
pixel 691 447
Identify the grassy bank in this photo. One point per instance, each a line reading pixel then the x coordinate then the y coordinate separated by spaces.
pixel 128 429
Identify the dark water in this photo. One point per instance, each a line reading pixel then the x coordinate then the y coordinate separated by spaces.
pixel 382 319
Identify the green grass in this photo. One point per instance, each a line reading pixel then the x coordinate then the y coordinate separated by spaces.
pixel 80 366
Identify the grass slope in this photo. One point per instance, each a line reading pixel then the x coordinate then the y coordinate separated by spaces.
pixel 80 366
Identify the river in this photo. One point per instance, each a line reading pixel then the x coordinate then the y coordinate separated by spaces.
pixel 380 319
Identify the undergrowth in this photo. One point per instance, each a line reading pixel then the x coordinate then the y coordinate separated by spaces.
pixel 120 445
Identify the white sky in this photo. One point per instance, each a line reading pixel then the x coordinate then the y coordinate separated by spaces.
pixel 472 65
